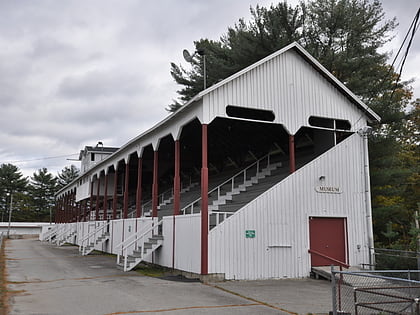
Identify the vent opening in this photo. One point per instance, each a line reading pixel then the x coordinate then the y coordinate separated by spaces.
pixel 250 113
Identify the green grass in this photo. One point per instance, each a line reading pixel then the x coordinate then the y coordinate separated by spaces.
pixel 151 270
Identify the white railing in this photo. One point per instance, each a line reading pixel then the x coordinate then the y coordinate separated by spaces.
pixel 139 239
pixel 220 217
pixel 50 233
pixel 94 233
pixel 241 176
pixel 62 235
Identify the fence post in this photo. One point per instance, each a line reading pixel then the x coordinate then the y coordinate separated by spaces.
pixel 334 291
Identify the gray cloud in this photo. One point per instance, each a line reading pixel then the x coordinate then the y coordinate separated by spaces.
pixel 75 72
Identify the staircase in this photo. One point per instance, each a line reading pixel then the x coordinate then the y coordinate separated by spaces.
pixel 145 241
pixel 91 240
pixel 240 182
pixel 65 238
pixel 50 234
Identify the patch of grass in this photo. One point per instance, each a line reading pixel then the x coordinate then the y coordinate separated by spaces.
pixel 151 270
pixel 3 285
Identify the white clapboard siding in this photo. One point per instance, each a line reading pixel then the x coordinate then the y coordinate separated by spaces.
pixel 290 87
pixel 280 218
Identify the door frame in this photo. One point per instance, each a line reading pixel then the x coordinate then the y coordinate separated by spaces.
pixel 346 236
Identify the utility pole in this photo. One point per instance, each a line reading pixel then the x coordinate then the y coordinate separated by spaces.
pixel 10 213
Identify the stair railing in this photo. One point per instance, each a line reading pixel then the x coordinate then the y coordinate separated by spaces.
pixel 231 181
pixel 140 238
pixel 220 217
pixel 66 228
pixel 132 236
pixel 85 239
pixel 50 233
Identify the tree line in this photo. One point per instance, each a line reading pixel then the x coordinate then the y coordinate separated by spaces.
pixel 347 37
pixel 32 199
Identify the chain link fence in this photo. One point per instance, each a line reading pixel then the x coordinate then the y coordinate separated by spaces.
pixel 375 292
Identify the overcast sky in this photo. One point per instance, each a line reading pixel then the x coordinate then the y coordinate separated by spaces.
pixel 76 72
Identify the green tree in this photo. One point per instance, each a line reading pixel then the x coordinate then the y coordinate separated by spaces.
pixel 346 36
pixel 67 175
pixel 42 188
pixel 12 182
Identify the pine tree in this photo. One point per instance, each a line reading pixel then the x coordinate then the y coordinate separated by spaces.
pixel 67 175
pixel 42 188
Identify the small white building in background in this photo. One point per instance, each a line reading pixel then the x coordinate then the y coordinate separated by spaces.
pixel 262 175
pixel 24 228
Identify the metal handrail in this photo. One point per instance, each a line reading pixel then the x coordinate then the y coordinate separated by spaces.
pixel 124 249
pixel 66 229
pixel 50 233
pixel 130 237
pixel 338 262
pixel 232 179
pixel 86 237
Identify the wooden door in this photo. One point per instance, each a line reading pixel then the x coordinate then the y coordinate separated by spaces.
pixel 328 236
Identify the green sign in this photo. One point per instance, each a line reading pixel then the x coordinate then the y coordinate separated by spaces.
pixel 250 233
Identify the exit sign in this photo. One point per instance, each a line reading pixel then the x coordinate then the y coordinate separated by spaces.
pixel 250 233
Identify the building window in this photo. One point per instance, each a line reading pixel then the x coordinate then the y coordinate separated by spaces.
pixel 329 123
pixel 250 113
pixel 92 157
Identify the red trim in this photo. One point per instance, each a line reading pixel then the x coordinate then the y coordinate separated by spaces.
pixel 85 210
pixel 139 187
pixel 115 197
pixel 127 178
pixel 155 185
pixel 204 202
pixel 97 199
pixel 292 154
pixel 106 197
pixel 90 200
pixel 177 179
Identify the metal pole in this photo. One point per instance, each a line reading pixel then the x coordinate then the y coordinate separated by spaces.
pixel 10 214
pixel 334 292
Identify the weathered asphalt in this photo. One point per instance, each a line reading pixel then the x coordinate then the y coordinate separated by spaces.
pixel 48 280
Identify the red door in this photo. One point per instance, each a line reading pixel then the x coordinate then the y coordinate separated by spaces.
pixel 328 236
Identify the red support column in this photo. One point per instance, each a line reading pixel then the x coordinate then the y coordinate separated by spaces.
pixel 292 161
pixel 155 186
pixel 126 181
pixel 79 211
pixel 204 202
pixel 97 198
pixel 73 206
pixel 85 210
pixel 105 202
pixel 139 187
pixel 177 179
pixel 114 201
pixel 66 208
pixel 90 201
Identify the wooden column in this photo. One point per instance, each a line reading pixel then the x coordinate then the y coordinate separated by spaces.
pixel 85 210
pixel 204 202
pixel 97 198
pixel 177 179
pixel 105 202
pixel 155 185
pixel 114 200
pixel 126 182
pixel 139 187
pixel 90 201
pixel 292 159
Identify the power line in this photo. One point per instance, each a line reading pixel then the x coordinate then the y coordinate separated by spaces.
pixel 413 29
pixel 42 158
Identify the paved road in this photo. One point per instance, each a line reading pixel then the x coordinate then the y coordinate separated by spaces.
pixel 51 280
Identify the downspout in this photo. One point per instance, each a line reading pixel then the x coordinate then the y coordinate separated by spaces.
pixel 364 132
